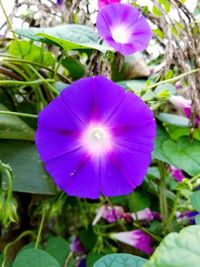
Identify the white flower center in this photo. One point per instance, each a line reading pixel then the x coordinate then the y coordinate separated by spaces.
pixel 120 34
pixel 97 140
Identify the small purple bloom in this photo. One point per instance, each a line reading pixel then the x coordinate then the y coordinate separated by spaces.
pixel 110 214
pixel 145 214
pixel 183 104
pixel 124 28
pixel 188 216
pixel 137 239
pixel 176 173
pixel 102 3
pixel 60 2
pixel 76 246
pixel 96 138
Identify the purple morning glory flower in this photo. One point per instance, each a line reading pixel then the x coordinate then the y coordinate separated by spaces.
pixel 96 138
pixel 108 213
pixel 135 238
pixel 124 28
pixel 176 173
pixel 102 3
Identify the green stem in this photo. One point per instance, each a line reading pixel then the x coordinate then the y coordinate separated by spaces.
pixel 19 61
pixel 5 112
pixel 171 216
pixel 25 233
pixel 28 83
pixel 196 177
pixel 8 21
pixel 48 84
pixel 58 65
pixel 68 259
pixel 173 79
pixel 40 229
pixel 162 193
pixel 157 238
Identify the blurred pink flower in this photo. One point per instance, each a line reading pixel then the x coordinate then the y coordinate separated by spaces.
pixel 137 239
pixel 102 3
pixel 76 246
pixel 145 214
pixel 176 173
pixel 182 103
pixel 108 213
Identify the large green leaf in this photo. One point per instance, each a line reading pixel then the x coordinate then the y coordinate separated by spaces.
pixel 68 37
pixel 182 153
pixel 27 50
pixel 35 258
pixel 58 248
pixel 28 172
pixel 178 250
pixel 12 127
pixel 120 260
pixel 161 137
pixel 179 121
pixel 195 199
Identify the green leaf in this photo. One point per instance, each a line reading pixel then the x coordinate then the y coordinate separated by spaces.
pixel 161 136
pixel 156 11
pixel 135 85
pixel 12 127
pixel 35 258
pixel 32 52
pixel 59 248
pixel 167 86
pixel 138 201
pixel 71 36
pixel 183 154
pixel 120 260
pixel 28 172
pixel 88 238
pixel 178 250
pixel 195 199
pixel 75 68
pixel 197 219
pixel 179 121
pixel 92 258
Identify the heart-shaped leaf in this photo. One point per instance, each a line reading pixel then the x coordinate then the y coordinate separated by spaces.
pixel 120 260
pixel 178 250
pixel 35 258
pixel 12 127
pixel 71 36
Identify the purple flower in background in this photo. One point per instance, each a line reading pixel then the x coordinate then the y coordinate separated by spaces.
pixel 137 239
pixel 182 103
pixel 96 138
pixel 187 216
pixel 76 246
pixel 124 28
pixel 108 213
pixel 145 214
pixel 102 3
pixel 176 173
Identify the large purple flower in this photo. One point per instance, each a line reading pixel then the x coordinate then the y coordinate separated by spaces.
pixel 102 3
pixel 96 138
pixel 123 28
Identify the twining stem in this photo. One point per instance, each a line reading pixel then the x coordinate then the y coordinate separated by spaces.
pixel 40 76
pixel 171 216
pixel 196 177
pixel 174 79
pixel 8 21
pixel 58 65
pixel 25 233
pixel 157 238
pixel 28 83
pixel 68 259
pixel 5 112
pixel 40 229
pixel 162 193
